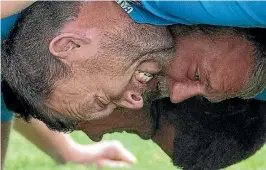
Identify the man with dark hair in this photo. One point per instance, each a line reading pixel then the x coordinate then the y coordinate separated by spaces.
pixel 112 59
pixel 196 133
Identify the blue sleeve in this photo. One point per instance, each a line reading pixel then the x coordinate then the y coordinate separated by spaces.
pixel 6 115
pixel 261 96
pixel 7 24
pixel 223 13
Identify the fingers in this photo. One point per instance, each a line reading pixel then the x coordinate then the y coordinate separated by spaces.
pixel 108 153
pixel 121 153
pixel 113 154
pixel 112 164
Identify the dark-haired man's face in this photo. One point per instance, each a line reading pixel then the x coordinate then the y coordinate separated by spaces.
pixel 196 133
pixel 112 63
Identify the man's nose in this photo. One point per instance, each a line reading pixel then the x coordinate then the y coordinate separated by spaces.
pixel 180 91
pixel 131 99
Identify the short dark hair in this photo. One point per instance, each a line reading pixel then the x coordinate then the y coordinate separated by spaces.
pixel 31 75
pixel 214 135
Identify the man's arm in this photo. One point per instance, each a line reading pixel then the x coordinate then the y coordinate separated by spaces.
pixel 6 117
pixel 55 144
pixel 5 131
pixel 63 149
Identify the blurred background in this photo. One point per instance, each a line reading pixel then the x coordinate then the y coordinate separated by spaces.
pixel 23 155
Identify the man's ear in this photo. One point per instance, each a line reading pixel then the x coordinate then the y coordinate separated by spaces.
pixel 66 44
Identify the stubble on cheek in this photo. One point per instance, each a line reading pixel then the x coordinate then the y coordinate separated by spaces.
pixel 163 86
pixel 161 91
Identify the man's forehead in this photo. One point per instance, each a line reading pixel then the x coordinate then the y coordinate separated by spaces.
pixel 228 79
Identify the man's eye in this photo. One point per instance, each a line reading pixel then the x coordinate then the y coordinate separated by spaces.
pixel 100 104
pixel 196 76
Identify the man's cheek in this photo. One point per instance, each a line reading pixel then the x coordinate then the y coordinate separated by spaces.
pixel 165 135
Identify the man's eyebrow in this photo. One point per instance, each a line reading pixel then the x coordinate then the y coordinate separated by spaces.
pixel 208 85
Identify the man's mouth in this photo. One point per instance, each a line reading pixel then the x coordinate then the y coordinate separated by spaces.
pixel 146 71
pixel 156 82
pixel 143 77
pixel 148 80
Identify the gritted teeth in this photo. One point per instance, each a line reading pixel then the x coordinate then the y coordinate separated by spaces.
pixel 143 76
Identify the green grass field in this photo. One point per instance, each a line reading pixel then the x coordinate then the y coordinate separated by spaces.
pixel 22 155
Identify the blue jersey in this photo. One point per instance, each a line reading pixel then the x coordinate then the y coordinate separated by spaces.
pixel 6 115
pixel 261 96
pixel 6 25
pixel 222 13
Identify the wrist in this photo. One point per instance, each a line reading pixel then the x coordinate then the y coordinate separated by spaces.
pixel 68 152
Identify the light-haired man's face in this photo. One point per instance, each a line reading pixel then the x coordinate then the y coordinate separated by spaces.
pixel 214 65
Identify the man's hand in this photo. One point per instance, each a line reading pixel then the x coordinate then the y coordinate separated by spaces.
pixel 63 149
pixel 104 154
pixel 5 131
pixel 165 135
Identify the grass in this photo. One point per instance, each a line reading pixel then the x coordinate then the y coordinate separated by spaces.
pixel 22 155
